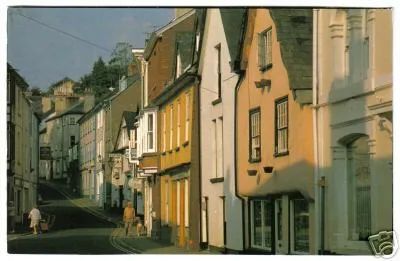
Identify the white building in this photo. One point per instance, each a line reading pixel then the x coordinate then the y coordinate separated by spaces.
pixel 221 209
pixel 63 133
pixel 123 170
pixel 353 126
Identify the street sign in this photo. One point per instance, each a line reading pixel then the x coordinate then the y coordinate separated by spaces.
pixel 45 153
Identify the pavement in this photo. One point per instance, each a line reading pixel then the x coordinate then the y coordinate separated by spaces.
pixel 131 244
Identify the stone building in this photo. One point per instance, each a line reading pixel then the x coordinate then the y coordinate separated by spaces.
pixel 353 126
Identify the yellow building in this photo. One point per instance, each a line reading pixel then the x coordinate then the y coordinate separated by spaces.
pixel 274 153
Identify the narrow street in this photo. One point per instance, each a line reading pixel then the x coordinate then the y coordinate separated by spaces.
pixel 74 231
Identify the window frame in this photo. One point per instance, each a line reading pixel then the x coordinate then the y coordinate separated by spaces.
pixel 251 112
pixel 150 131
pixel 219 73
pixel 265 54
pixel 277 128
pixel 187 116
pixel 292 226
pixel 263 202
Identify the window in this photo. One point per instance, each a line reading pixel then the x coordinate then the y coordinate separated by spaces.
pixel 171 130
pixel 178 124
pixel 164 130
pixel 166 202
pixel 72 141
pixel 261 224
pixel 214 147
pixel 359 175
pixel 255 135
pixel 178 62
pixel 187 116
pixel 300 226
pixel 150 126
pixel 281 126
pixel 178 203
pixel 265 49
pixel 186 203
pixel 218 49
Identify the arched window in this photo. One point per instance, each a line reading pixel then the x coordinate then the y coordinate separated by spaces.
pixel 359 186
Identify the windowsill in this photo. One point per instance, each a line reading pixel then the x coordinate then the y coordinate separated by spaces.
pixel 185 143
pixel 254 160
pixel 177 148
pixel 281 154
pixel 217 180
pixel 217 101
pixel 265 67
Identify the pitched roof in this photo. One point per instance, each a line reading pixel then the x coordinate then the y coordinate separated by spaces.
pixel 157 34
pixel 232 20
pixel 294 33
pixel 75 109
pixel 129 117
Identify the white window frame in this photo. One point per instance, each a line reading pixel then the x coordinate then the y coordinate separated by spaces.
pixel 150 132
pixel 262 226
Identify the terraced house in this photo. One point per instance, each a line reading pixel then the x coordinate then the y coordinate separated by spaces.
pixel 177 100
pixel 274 136
pixel 221 210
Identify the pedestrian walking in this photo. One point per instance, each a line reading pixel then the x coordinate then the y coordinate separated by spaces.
pixel 11 216
pixel 129 216
pixel 35 217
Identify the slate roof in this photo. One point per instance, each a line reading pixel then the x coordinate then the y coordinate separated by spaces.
pixel 294 33
pixel 232 21
pixel 75 109
pixel 129 117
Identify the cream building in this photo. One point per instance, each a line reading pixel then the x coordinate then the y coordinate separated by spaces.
pixel 221 209
pixel 353 126
pixel 22 149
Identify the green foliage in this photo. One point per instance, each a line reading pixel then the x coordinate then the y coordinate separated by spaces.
pixel 104 75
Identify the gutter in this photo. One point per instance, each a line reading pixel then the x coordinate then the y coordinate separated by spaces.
pixel 242 199
pixel 319 187
pixel 241 74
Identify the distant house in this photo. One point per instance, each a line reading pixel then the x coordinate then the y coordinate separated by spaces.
pixel 22 146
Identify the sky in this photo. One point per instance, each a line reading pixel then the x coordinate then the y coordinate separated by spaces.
pixel 43 55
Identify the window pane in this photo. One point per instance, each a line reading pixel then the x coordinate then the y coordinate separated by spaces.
pixel 301 216
pixel 257 233
pixel 267 224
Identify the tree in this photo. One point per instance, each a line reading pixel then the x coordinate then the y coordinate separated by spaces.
pixel 35 91
pixel 121 57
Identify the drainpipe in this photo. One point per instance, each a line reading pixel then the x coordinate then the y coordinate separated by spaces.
pixel 241 75
pixel 319 186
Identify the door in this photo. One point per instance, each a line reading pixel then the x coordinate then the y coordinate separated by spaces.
pixel 291 225
pixel 281 247
pixel 181 213
pixel 121 196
